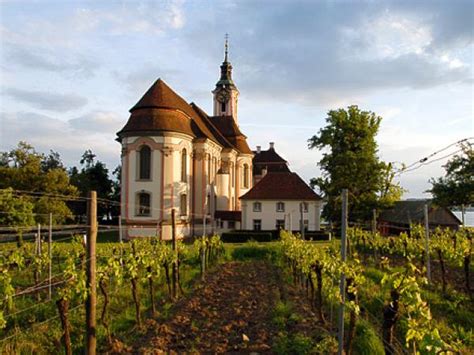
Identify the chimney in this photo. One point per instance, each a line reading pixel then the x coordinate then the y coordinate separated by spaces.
pixel 259 149
pixel 272 145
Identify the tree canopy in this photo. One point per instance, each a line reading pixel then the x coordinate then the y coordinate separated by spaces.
pixel 42 177
pixel 456 188
pixel 93 175
pixel 350 161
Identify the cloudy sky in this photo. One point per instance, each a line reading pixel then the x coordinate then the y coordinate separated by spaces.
pixel 70 70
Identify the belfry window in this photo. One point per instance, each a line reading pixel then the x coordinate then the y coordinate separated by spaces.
pixel 144 162
pixel 223 108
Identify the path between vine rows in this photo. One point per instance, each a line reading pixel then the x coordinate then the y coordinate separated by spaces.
pixel 233 304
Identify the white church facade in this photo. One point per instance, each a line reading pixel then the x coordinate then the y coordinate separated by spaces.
pixel 175 156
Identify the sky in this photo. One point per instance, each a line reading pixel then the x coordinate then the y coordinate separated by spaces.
pixel 71 70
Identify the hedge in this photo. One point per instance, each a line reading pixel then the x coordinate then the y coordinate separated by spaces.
pixel 245 236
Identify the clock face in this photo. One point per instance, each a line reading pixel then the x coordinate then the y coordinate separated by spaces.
pixel 223 96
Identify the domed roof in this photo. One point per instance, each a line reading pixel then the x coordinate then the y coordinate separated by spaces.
pixel 163 110
pixel 160 109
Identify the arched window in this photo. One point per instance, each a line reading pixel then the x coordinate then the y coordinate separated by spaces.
pixel 280 207
pixel 184 205
pixel 257 207
pixel 144 163
pixel 246 176
pixel 208 204
pixel 184 166
pixel 144 204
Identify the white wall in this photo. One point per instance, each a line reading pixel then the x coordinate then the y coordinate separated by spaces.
pixel 269 214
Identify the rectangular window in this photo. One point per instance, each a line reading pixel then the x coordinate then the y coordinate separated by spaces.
pixel 305 206
pixel 306 225
pixel 231 224
pixel 280 224
pixel 257 224
pixel 184 205
pixel 280 207
pixel 144 202
pixel 257 207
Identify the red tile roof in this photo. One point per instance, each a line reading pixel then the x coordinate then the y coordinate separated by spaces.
pixel 281 186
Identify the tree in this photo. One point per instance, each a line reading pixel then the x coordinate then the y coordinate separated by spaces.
pixel 350 161
pixel 457 187
pixel 15 211
pixel 93 175
pixel 42 178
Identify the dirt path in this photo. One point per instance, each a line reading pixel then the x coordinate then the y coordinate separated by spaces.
pixel 230 313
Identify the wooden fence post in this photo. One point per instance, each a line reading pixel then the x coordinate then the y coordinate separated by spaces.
pixel 174 274
pixel 342 285
pixel 50 255
pixel 91 301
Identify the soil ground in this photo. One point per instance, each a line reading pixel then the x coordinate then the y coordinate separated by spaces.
pixel 231 312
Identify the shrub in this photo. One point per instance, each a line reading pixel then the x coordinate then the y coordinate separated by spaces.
pixel 366 341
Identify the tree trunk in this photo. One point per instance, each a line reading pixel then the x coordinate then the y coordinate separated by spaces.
pixel 311 286
pixel 443 270
pixel 390 317
pixel 152 292
pixel 137 301
pixel 353 317
pixel 319 291
pixel 168 281
pixel 103 316
pixel 467 262
pixel 178 277
pixel 63 307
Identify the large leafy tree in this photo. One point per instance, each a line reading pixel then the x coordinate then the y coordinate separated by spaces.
pixel 456 188
pixel 42 178
pixel 350 161
pixel 93 175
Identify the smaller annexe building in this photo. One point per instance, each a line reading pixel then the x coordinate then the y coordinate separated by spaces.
pixel 275 202
pixel 403 213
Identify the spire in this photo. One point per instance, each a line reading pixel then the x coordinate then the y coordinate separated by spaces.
pixel 226 47
pixel 226 67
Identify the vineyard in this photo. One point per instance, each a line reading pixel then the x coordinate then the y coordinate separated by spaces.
pixel 398 298
pixel 130 276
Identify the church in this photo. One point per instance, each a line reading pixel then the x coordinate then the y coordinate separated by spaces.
pixel 175 156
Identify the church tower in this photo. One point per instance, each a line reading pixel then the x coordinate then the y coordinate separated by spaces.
pixel 226 93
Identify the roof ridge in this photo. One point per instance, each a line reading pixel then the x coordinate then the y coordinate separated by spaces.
pixel 205 117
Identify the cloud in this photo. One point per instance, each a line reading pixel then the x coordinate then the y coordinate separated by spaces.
pixel 36 58
pixel 98 122
pixel 47 100
pixel 147 17
pixel 71 138
pixel 139 80
pixel 332 53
